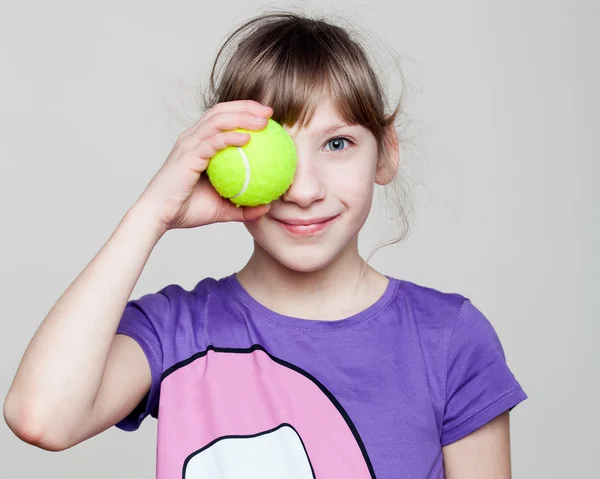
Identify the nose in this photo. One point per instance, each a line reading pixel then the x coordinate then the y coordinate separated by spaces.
pixel 308 185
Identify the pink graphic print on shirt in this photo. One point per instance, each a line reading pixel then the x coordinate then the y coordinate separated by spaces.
pixel 229 414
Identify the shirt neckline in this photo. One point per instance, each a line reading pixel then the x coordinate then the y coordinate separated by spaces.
pixel 313 324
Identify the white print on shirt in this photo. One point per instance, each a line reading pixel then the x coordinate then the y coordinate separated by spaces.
pixel 271 455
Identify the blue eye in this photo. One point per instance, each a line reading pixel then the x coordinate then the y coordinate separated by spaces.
pixel 337 143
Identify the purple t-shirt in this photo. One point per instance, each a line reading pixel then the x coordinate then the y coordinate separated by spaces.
pixel 241 391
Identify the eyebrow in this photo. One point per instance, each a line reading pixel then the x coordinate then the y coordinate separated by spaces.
pixel 334 127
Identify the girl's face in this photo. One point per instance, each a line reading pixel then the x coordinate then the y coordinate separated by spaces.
pixel 321 214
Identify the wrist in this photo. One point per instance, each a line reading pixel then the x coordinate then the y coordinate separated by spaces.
pixel 146 220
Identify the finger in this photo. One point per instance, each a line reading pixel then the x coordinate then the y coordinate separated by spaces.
pixel 196 157
pixel 221 123
pixel 228 121
pixel 206 150
pixel 244 214
pixel 255 212
pixel 249 106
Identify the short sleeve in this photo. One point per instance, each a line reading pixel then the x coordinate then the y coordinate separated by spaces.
pixel 145 320
pixel 479 384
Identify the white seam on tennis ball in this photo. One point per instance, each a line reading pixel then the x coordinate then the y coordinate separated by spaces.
pixel 247 180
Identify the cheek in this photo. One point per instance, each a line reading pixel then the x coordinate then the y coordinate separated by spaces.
pixel 352 181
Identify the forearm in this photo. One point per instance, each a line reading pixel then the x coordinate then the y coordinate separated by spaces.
pixel 62 368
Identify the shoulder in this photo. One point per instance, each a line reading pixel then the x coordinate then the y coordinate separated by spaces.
pixel 469 379
pixel 191 304
pixel 444 323
pixel 207 290
pixel 178 294
pixel 171 304
pixel 444 320
pixel 431 309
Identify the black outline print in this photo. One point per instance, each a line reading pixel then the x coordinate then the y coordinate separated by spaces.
pixel 257 347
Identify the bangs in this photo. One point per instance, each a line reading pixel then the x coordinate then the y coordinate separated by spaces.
pixel 289 66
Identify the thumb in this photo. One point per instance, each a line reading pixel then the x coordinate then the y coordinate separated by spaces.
pixel 232 212
pixel 255 212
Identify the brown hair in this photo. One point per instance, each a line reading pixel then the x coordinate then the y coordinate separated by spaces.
pixel 286 60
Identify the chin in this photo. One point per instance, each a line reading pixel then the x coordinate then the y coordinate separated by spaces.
pixel 306 255
pixel 306 261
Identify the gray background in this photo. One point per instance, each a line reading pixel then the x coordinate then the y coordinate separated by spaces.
pixel 504 100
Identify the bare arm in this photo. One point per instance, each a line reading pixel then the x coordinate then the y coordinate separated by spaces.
pixel 483 453
pixel 58 380
pixel 77 377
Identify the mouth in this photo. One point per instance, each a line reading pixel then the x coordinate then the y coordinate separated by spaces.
pixel 305 227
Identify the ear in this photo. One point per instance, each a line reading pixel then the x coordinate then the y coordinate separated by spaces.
pixel 387 165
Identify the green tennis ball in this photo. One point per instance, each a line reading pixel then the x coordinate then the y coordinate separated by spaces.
pixel 260 171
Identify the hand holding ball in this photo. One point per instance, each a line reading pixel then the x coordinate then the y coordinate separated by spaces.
pixel 260 171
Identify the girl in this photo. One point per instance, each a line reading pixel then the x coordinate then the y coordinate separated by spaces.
pixel 305 363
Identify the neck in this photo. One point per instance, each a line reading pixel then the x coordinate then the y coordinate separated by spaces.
pixel 346 281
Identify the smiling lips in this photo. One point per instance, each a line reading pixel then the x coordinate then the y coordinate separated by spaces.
pixel 305 227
